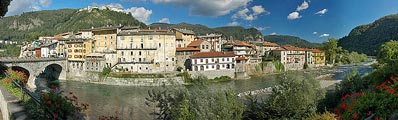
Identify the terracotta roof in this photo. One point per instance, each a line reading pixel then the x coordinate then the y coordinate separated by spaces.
pixel 243 44
pixel 270 44
pixel 187 49
pixel 195 43
pixel 316 51
pixel 58 37
pixel 212 54
pixel 240 58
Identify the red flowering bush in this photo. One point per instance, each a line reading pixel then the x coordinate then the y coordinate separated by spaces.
pixel 16 75
pixel 62 106
pixel 381 103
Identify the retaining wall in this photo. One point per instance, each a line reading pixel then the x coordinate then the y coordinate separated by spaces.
pixel 213 73
pixel 10 106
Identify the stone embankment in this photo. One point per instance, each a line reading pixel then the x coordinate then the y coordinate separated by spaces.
pixel 268 90
pixel 10 106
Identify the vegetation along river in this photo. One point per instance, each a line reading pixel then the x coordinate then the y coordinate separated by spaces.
pixel 128 102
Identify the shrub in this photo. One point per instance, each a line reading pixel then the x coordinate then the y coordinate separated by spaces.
pixel 106 71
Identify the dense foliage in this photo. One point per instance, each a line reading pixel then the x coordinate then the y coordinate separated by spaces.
pixel 9 50
pixel 337 55
pixel 372 96
pixel 290 40
pixel 28 26
pixel 291 98
pixel 368 38
pixel 236 32
pixel 388 52
pixel 4 7
pixel 197 103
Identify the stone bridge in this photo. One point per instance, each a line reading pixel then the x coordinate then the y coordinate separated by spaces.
pixel 50 68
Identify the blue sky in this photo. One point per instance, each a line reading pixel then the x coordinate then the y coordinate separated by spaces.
pixel 313 20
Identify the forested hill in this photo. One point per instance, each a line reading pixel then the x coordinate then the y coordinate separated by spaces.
pixel 290 40
pixel 236 32
pixel 28 26
pixel 368 38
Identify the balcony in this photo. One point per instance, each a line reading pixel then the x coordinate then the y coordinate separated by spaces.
pixel 135 48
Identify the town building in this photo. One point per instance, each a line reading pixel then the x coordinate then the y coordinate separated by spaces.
pixel 182 56
pixel 243 49
pixel 214 39
pixel 146 51
pixel 267 47
pixel 209 61
pixel 203 45
pixel 95 62
pixel 293 58
pixel 183 37
pixel 49 50
pixel 76 50
pixel 318 57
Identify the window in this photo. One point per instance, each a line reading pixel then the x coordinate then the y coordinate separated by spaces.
pixel 131 45
pixel 207 60
pixel 142 38
pixel 201 60
pixel 160 45
pixel 207 46
pixel 111 37
pixel 203 46
pixel 150 37
pixel 122 53
pixel 139 53
pixel 131 53
pixel 142 45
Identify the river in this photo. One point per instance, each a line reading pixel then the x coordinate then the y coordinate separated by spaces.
pixel 128 102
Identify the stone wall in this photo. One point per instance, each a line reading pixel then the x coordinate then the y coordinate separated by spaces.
pixel 93 77
pixel 213 73
pixel 255 68
pixel 10 107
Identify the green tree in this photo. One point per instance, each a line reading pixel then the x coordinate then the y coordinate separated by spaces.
pixel 331 49
pixel 199 102
pixel 388 52
pixel 292 98
pixel 4 7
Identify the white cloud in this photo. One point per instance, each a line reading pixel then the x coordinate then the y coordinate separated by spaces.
pixel 303 6
pixel 261 28
pixel 234 23
pixel 17 7
pixel 207 7
pixel 45 3
pixel 258 9
pixel 164 20
pixel 294 15
pixel 314 33
pixel 323 11
pixel 140 13
pixel 246 14
pixel 324 35
pixel 274 33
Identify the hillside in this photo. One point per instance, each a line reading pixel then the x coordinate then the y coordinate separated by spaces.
pixel 28 26
pixel 237 32
pixel 290 40
pixel 368 38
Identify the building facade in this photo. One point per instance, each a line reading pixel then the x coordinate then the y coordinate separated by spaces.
pixel 293 58
pixel 202 45
pixel 146 51
pixel 214 39
pixel 183 37
pixel 267 47
pixel 210 61
pixel 76 51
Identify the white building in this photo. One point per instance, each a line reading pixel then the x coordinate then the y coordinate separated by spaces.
pixel 242 49
pixel 212 61
pixel 49 50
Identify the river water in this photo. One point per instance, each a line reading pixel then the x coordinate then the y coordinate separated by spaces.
pixel 128 102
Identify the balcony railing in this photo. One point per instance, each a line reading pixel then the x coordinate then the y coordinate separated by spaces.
pixel 135 48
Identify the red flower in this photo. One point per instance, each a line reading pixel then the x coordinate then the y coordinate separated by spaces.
pixel 343 105
pixel 369 113
pixel 49 102
pixel 46 97
pixel 57 106
pixel 74 97
pixel 55 115
pixel 355 116
pixel 377 118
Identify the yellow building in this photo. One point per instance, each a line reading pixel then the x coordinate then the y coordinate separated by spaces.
pixel 183 37
pixel 77 50
pixel 318 57
pixel 105 39
pixel 146 51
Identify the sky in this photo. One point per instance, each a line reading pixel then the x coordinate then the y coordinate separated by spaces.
pixel 312 20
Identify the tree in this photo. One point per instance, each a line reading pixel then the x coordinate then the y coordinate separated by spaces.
pixel 292 98
pixel 388 52
pixel 331 49
pixel 4 7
